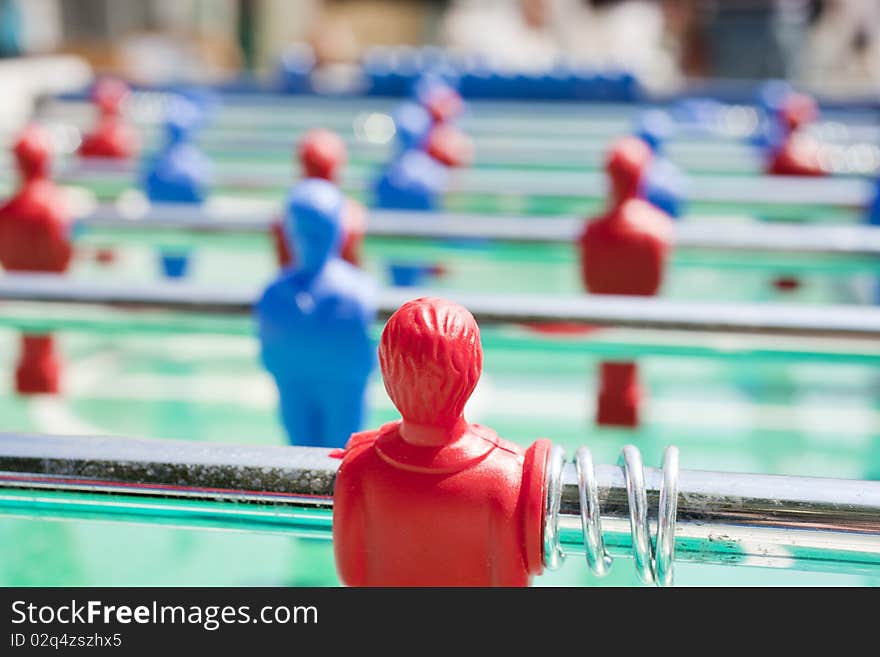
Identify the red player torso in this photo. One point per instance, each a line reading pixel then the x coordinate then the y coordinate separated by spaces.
pixel 112 139
pixel 34 230
pixel 465 514
pixel 448 145
pixel 799 155
pixel 625 251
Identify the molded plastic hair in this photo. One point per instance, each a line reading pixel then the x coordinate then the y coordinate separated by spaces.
pixel 33 152
pixel 626 163
pixel 108 94
pixel 322 154
pixel 431 360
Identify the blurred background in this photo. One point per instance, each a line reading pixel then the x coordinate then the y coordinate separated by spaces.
pixel 832 46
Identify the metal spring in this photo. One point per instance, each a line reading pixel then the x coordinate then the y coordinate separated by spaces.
pixel 653 562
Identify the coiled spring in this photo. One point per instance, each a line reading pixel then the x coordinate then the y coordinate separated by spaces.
pixel 653 561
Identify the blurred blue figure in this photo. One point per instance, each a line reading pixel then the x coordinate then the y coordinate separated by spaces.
pixel 412 181
pixel 701 113
pixel 873 215
pixel 770 100
pixel 412 125
pixel 873 219
pixel 295 69
pixel 206 100
pixel 314 324
pixel 180 172
pixel 655 127
pixel 664 184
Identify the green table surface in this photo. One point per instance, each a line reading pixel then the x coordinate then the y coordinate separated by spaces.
pixel 759 414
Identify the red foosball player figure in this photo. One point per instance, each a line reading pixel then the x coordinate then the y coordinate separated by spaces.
pixel 624 252
pixel 431 500
pixel 112 137
pixel 797 154
pixel 34 237
pixel 322 154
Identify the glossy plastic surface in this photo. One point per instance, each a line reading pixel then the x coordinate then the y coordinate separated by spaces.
pixel 112 137
pixel 314 324
pixel 180 172
pixel 35 237
pixel 412 181
pixel 625 251
pixel 432 500
pixel 323 154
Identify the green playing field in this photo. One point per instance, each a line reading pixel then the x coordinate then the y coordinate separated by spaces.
pixel 727 405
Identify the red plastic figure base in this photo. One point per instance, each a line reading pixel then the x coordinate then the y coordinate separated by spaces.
pixel 787 283
pixel 619 395
pixel 39 367
pixel 432 500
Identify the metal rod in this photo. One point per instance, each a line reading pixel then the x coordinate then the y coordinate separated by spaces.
pixel 691 234
pixel 800 523
pixel 768 190
pixel 837 321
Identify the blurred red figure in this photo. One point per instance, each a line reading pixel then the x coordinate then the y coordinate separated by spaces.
pixel 624 251
pixel 431 500
pixel 798 154
pixel 34 237
pixel 322 154
pixel 443 102
pixel 450 146
pixel 112 137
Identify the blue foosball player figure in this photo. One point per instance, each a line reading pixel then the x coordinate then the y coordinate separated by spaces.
pixel 413 181
pixel 664 185
pixel 179 173
pixel 314 324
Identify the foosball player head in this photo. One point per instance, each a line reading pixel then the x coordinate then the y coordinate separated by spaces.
pixel 441 99
pixel 322 154
pixel 412 125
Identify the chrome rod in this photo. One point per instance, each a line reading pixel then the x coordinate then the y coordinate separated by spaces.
pixel 642 313
pixel 799 523
pixel 691 234
pixel 768 190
